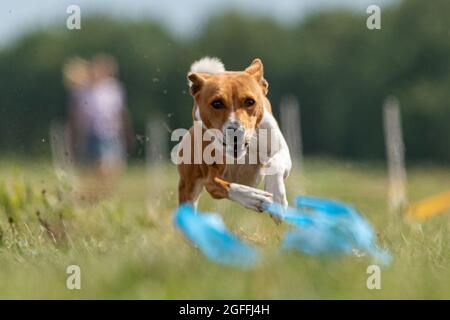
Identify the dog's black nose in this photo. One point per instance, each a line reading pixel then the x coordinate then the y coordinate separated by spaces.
pixel 234 133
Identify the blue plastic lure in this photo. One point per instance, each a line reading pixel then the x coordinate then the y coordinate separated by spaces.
pixel 326 227
pixel 321 227
pixel 210 234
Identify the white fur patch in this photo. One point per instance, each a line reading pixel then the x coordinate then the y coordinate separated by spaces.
pixel 279 165
pixel 208 65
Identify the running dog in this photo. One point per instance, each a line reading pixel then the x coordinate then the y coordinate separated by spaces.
pixel 234 106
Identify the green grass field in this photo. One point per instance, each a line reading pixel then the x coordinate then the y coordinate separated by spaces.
pixel 127 247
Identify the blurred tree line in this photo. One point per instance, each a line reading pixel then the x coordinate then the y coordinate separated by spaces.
pixel 340 71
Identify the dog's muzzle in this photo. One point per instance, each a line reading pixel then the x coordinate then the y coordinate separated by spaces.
pixel 234 139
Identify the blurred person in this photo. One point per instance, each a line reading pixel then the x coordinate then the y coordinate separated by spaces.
pixel 77 79
pixel 99 122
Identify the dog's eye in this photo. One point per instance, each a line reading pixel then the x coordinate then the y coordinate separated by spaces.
pixel 217 104
pixel 249 102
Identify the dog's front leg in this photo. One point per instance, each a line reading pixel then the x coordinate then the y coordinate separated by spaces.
pixel 278 165
pixel 275 185
pixel 276 173
pixel 190 184
pixel 250 198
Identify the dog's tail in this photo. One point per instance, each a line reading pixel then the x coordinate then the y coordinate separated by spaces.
pixel 207 65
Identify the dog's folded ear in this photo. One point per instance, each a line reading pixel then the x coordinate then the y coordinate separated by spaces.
pixel 256 69
pixel 196 81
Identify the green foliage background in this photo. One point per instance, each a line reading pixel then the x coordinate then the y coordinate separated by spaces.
pixel 340 71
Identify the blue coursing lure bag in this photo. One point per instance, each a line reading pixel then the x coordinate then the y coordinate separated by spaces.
pixel 319 227
pixel 210 234
pixel 324 227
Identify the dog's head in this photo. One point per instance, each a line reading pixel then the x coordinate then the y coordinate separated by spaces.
pixel 232 102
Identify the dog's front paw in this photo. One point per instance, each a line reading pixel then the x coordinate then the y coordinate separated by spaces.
pixel 249 197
